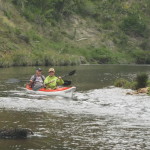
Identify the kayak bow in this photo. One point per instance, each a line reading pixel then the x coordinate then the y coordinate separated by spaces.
pixel 61 91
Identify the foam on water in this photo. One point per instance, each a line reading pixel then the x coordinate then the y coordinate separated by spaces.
pixel 108 101
pixel 102 117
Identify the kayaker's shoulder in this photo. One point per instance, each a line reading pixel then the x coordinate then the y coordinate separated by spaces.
pixel 49 77
pixel 43 76
pixel 33 76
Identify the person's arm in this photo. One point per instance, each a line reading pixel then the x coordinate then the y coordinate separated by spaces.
pixel 60 81
pixel 31 81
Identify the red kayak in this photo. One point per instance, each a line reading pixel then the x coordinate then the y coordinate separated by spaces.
pixel 61 91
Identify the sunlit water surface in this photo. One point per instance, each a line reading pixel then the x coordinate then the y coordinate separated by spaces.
pixel 98 117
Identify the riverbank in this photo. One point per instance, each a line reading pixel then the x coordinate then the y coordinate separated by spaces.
pixel 33 34
pixel 140 84
pixel 44 58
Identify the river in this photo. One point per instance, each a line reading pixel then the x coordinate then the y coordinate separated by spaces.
pixel 98 117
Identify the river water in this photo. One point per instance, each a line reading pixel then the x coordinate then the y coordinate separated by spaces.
pixel 98 117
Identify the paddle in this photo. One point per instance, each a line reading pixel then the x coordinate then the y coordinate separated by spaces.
pixel 69 74
pixel 66 82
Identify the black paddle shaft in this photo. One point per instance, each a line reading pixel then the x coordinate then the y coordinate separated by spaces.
pixel 70 73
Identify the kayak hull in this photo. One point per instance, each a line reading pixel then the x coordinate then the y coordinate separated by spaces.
pixel 62 91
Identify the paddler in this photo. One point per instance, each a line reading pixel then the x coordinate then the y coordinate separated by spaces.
pixel 37 80
pixel 51 81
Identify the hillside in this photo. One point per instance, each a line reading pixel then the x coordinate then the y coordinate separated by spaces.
pixel 62 32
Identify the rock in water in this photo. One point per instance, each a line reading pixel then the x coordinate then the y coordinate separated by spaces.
pixel 18 133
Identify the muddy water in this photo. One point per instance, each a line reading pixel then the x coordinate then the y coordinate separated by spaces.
pixel 99 117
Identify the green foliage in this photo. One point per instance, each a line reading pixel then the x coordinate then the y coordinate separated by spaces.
pixel 8 14
pixel 20 3
pixel 122 83
pixel 20 58
pixel 141 57
pixel 120 39
pixel 86 8
pixel 47 10
pixel 6 61
pixel 134 25
pixel 33 32
pixel 142 80
pixel 145 45
pixel 32 35
pixel 25 58
pixel 103 55
pixel 149 91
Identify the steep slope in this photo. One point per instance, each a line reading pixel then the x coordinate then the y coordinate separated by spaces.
pixel 61 32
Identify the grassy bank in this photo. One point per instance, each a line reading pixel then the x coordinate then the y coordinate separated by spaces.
pixel 50 33
pixel 141 81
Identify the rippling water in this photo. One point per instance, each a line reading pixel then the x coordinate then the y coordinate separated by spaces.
pixel 99 116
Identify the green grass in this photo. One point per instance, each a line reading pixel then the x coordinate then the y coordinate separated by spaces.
pixel 46 32
pixel 141 81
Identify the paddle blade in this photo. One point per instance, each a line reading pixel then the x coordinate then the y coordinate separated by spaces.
pixel 66 82
pixel 72 73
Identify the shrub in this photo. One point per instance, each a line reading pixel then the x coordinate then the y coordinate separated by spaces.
pixel 103 56
pixel 145 45
pixel 87 8
pixel 133 25
pixel 32 35
pixel 142 80
pixel 133 85
pixel 149 91
pixel 122 83
pixel 6 61
pixel 8 14
pixel 20 58
pixel 120 38
pixel 141 57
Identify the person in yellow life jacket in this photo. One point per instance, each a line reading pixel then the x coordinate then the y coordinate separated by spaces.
pixel 51 81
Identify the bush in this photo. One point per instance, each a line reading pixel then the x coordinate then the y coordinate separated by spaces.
pixel 122 83
pixel 141 57
pixel 142 80
pixel 145 45
pixel 33 36
pixel 134 25
pixel 120 38
pixel 149 91
pixel 87 8
pixel 103 56
pixel 21 58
